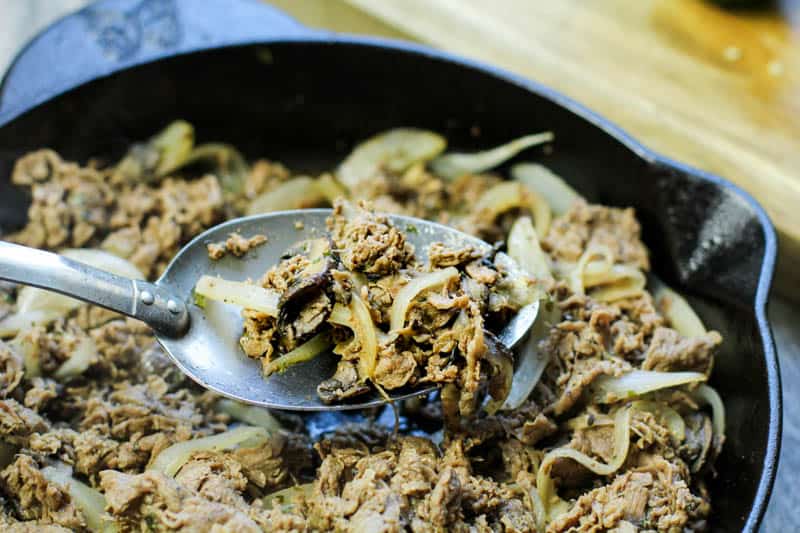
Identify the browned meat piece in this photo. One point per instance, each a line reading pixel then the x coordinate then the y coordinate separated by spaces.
pixel 11 369
pixel 342 385
pixel 259 330
pixel 84 206
pixel 394 369
pixel 41 393
pixel 367 242
pixel 265 467
pixel 669 351
pixel 580 377
pixel 264 176
pixel 18 423
pixel 124 428
pixel 441 255
pixel 235 244
pixel 12 525
pixel 587 226
pixel 55 444
pixel 642 311
pixel 406 485
pixel 653 496
pixel 214 476
pixel 162 502
pixel 38 166
pixel 35 498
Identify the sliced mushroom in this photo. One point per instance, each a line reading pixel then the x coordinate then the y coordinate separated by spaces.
pixel 309 284
pixel 699 438
pixel 343 384
pixel 501 361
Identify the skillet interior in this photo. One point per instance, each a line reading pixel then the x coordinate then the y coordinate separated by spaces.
pixel 310 102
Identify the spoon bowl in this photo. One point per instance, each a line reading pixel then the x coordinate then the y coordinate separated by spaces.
pixel 204 342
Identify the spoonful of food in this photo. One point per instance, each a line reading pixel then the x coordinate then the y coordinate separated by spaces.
pixel 346 315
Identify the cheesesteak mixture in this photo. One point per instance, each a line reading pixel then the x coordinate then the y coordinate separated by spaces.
pixel 601 421
pixel 396 321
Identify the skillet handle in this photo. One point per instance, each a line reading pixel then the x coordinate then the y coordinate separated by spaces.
pixel 111 35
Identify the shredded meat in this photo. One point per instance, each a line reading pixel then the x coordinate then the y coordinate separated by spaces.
pixel 652 496
pixel 367 242
pixel 585 227
pixel 235 244
pixel 155 499
pixel 36 498
pixel 477 466
pixel 669 351
pixel 83 206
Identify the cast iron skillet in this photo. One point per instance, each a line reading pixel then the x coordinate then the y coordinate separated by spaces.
pixel 247 74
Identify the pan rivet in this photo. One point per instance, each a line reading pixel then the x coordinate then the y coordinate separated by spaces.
pixel 146 297
pixel 172 305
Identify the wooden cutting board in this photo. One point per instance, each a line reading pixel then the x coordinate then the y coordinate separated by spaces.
pixel 716 89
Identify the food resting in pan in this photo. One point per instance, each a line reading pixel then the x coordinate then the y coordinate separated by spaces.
pixel 394 319
pixel 98 431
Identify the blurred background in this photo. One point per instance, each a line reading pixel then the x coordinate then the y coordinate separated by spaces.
pixel 713 83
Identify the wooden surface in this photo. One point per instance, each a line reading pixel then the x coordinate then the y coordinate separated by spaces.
pixel 666 70
pixel 717 90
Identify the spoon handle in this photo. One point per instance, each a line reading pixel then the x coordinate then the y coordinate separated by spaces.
pixel 142 300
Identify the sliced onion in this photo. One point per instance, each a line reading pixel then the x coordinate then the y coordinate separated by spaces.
pixel 524 249
pixel 287 498
pixel 676 310
pixel 532 360
pixel 394 150
pixel 249 414
pixel 631 284
pixel 171 459
pixel 79 360
pixel 305 352
pixel 622 441
pixel 89 501
pixel 453 165
pixel 229 164
pixel 365 332
pixel 610 389
pixel 611 281
pixel 590 257
pixel 707 395
pixel 330 188
pixel 555 191
pixel 174 143
pixel 603 273
pixel 29 350
pixel 508 195
pixel 34 299
pixel 13 324
pixel 405 296
pixel 340 315
pixel 296 193
pixel 245 295
pixel 516 283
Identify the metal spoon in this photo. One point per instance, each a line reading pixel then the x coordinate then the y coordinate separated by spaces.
pixel 204 342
